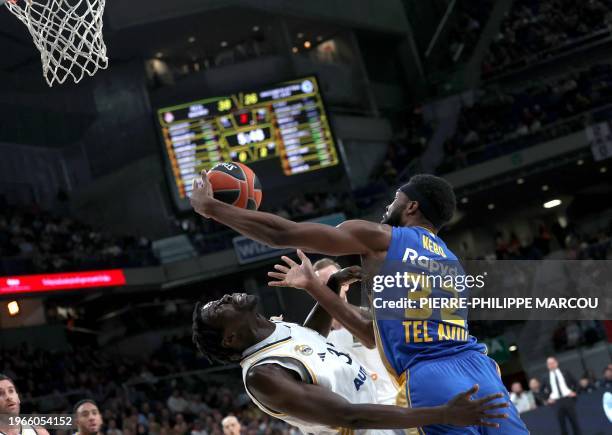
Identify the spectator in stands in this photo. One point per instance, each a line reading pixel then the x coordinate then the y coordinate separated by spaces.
pixel 198 428
pixel 196 406
pixel 607 378
pixel 112 428
pixel 585 385
pixel 231 425
pixel 180 426
pixel 523 400
pixel 539 395
pixel 562 387
pixel 176 402
pixel 88 418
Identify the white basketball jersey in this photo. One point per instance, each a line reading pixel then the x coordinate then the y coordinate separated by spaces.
pixel 25 430
pixel 316 361
pixel 385 387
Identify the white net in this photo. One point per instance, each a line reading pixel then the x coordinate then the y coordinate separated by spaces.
pixel 68 34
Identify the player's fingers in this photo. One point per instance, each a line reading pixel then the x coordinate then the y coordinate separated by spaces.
pixel 281 268
pixel 488 424
pixel 486 415
pixel 496 406
pixel 277 284
pixel 471 391
pixel 276 275
pixel 489 398
pixel 303 257
pixel 289 261
pixel 204 178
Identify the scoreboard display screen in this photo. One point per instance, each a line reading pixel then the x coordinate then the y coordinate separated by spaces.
pixel 284 123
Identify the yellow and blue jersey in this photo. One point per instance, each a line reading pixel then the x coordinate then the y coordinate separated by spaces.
pixel 422 269
pixel 420 299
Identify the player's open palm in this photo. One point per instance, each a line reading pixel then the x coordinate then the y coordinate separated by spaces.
pixel 293 274
pixel 461 410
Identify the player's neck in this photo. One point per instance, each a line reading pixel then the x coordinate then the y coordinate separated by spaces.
pixel 423 224
pixel 263 328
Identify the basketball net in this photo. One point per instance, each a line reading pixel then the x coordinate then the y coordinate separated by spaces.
pixel 68 34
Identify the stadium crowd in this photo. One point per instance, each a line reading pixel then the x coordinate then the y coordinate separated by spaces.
pixel 539 392
pixel 143 396
pixel 534 29
pixel 33 240
pixel 501 121
pixel 566 242
pixel 472 16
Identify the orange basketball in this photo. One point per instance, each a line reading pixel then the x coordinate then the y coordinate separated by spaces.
pixel 235 184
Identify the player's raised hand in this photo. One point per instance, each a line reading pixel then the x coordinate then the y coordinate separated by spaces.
pixel 202 194
pixel 293 274
pixel 463 411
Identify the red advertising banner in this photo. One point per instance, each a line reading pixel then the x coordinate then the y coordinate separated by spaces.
pixel 608 325
pixel 10 285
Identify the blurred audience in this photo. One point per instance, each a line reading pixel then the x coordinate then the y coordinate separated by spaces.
pixel 607 378
pixel 169 401
pixel 523 400
pixel 585 385
pixel 470 18
pixel 537 29
pixel 501 121
pixel 33 240
pixel 539 395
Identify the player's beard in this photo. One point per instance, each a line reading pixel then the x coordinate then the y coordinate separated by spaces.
pixel 393 217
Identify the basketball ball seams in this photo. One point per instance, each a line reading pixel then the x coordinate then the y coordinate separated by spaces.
pixel 236 184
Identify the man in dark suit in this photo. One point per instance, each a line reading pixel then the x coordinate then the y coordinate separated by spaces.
pixel 562 386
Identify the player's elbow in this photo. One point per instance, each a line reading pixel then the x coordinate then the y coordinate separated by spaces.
pixel 367 337
pixel 369 342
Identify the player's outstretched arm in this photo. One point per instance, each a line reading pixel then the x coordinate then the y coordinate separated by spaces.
pixel 277 389
pixel 303 276
pixel 318 318
pixel 351 237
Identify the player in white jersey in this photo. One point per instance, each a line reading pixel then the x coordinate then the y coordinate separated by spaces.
pixel 386 390
pixel 10 406
pixel 291 372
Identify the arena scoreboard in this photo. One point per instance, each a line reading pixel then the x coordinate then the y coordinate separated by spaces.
pixel 286 122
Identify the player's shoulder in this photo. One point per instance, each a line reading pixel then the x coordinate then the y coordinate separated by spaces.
pixel 361 224
pixel 265 377
pixel 375 235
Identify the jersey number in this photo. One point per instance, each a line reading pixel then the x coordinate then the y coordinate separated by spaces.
pixel 330 349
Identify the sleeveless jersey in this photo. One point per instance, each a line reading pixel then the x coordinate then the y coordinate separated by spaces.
pixel 421 266
pixel 386 391
pixel 316 361
pixel 25 430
